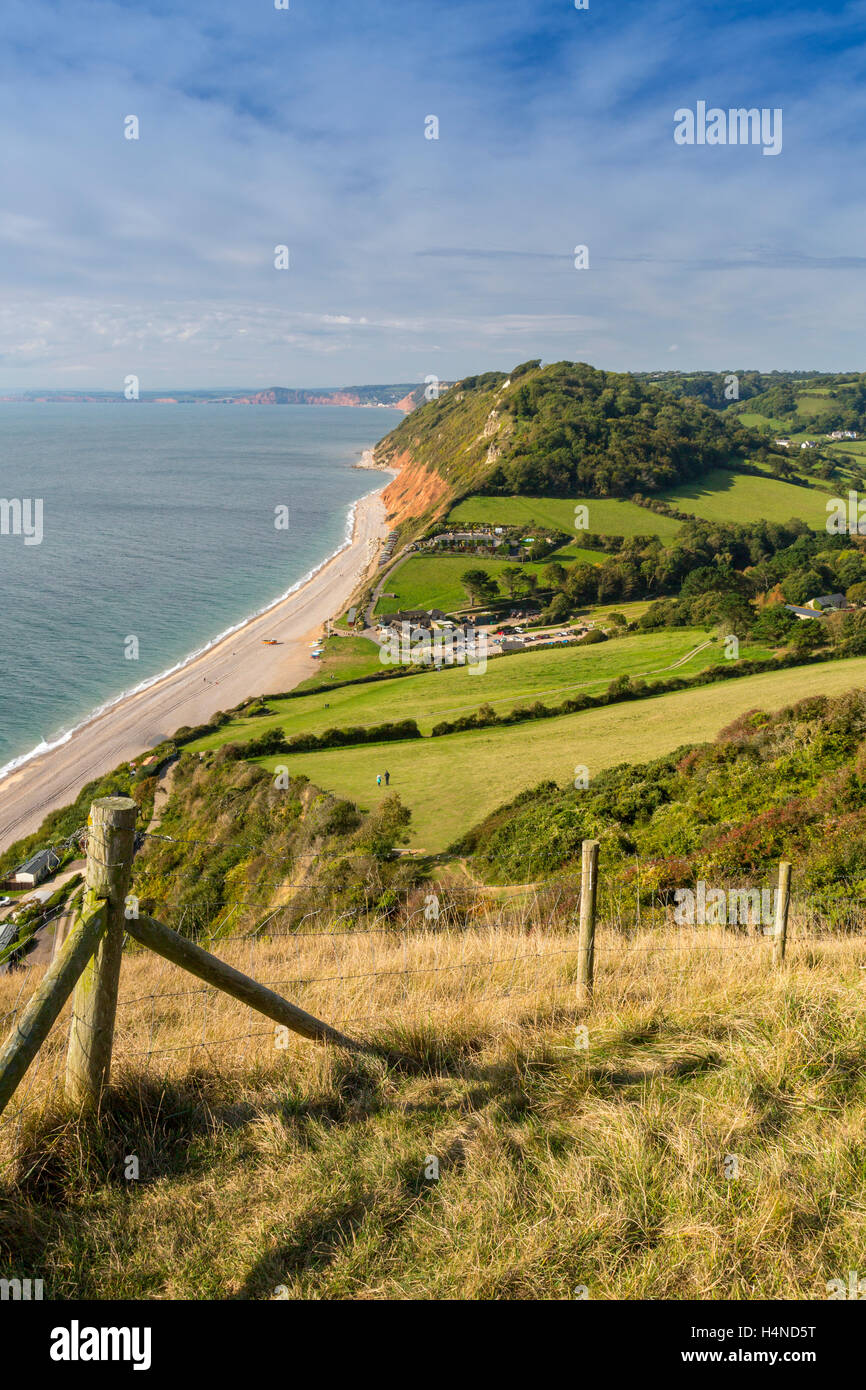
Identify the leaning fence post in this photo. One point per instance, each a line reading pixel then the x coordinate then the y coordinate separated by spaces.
pixel 110 841
pixel 586 938
pixel 783 896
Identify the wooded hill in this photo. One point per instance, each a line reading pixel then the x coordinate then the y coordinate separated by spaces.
pixel 568 430
pixel 818 403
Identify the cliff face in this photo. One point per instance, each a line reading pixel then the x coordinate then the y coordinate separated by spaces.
pixel 281 395
pixel 415 491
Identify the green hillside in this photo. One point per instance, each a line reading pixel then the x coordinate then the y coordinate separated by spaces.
pixel 605 516
pixel 566 430
pixel 725 496
pixel 453 782
pixel 787 785
pixel 428 697
pixel 819 403
pixel 435 581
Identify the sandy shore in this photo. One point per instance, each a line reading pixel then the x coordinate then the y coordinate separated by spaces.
pixel 233 670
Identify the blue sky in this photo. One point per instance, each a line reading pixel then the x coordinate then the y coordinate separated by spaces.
pixel 410 257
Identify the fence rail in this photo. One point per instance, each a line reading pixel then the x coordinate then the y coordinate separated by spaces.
pixel 547 948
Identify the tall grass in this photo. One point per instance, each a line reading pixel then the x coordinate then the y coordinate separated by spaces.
pixel 566 1158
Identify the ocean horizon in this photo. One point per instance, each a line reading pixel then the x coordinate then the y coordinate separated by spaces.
pixel 159 536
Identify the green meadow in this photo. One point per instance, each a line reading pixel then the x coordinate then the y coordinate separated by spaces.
pixel 452 782
pixel 344 659
pixel 725 496
pixel 433 581
pixel 608 516
pixel 551 675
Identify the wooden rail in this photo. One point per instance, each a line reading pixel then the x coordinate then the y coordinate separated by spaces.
pixel 89 961
pixel 192 958
pixel 59 980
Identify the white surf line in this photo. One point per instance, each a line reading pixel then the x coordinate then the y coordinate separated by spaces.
pixel 60 739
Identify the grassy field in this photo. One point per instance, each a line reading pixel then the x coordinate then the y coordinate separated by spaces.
pixel 345 659
pixel 452 782
pixel 304 1173
pixel 753 421
pixel 552 674
pixel 725 496
pixel 607 516
pixel 631 609
pixel 433 581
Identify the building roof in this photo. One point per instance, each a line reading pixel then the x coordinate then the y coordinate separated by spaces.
pixel 829 601
pixel 43 862
pixel 803 612
pixel 8 933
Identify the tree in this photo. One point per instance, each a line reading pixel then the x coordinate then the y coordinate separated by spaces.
pixel 478 585
pixel 385 828
pixel 558 609
pixel 553 575
pixel 801 585
pixel 582 583
pixel 510 577
pixel 809 634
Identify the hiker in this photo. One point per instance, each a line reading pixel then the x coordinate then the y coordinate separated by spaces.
pixel 387 778
pixel 379 780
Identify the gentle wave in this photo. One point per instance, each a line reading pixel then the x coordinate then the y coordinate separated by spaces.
pixel 63 738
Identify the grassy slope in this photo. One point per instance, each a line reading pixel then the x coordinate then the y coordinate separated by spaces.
pixel 455 781
pixel 300 1174
pixel 345 658
pixel 724 496
pixel 607 516
pixel 718 496
pixel 433 581
pixel 507 681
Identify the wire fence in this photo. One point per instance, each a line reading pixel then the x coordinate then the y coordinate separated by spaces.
pixel 434 962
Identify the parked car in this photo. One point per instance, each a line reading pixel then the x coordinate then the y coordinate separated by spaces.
pixel 4 902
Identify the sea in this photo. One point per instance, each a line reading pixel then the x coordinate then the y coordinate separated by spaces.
pixel 162 527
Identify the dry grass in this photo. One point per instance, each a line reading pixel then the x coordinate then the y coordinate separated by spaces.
pixel 303 1169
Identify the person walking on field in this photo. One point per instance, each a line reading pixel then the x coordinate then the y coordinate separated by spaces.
pixel 387 778
pixel 379 780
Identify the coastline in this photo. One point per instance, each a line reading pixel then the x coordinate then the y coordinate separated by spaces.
pixel 233 667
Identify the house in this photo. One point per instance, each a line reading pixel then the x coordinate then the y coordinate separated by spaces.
pixel 463 540
pixel 35 870
pixel 785 443
pixel 843 434
pixel 828 601
pixel 415 617
pixel 809 444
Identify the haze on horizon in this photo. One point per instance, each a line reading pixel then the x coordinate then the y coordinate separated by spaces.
pixel 409 256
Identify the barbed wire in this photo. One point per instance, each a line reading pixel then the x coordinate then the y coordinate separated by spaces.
pixel 540 921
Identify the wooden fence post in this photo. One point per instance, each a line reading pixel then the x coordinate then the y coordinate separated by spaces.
pixel 110 842
pixel 780 936
pixel 586 938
